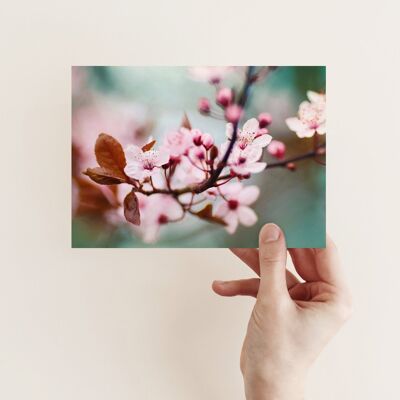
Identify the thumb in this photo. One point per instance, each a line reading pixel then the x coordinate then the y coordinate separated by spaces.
pixel 272 256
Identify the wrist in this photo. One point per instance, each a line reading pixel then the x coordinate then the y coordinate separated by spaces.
pixel 273 387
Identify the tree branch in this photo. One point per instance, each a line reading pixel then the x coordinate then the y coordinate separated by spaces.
pixel 242 102
pixel 311 154
pixel 319 151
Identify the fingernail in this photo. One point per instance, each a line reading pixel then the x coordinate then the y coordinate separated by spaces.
pixel 271 233
pixel 220 282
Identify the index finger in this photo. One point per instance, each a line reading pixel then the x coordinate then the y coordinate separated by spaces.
pixel 327 263
pixel 249 257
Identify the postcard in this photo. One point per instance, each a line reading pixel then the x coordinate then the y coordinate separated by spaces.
pixel 197 156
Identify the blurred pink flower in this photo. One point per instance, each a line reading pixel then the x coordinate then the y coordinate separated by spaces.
pixel 156 211
pixel 233 113
pixel 143 164
pixel 234 208
pixel 122 120
pixel 187 172
pixel 209 74
pixel 224 96
pixel 277 149
pixel 178 142
pixel 204 105
pixel 311 116
pixel 250 134
pixel 207 141
pixel 264 120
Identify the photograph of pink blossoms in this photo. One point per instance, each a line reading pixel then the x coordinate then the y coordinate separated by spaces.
pixel 197 156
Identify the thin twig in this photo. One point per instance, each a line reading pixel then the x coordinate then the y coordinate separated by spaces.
pixel 311 154
pixel 242 102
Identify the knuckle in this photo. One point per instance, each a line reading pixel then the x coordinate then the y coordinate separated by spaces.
pixel 269 258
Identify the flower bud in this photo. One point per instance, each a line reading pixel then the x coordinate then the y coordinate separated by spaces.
pixel 207 141
pixel 204 105
pixel 233 113
pixel 291 166
pixel 264 120
pixel 199 154
pixel 197 135
pixel 224 96
pixel 277 149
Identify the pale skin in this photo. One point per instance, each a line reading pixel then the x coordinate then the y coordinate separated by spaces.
pixel 293 319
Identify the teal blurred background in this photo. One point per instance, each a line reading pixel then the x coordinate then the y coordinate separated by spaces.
pixel 151 100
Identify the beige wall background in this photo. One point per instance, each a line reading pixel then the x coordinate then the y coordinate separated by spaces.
pixel 131 324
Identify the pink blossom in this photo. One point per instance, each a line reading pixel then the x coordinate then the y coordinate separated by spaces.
pixel 143 164
pixel 250 134
pixel 264 120
pixel 207 141
pixel 224 96
pixel 124 120
pixel 155 211
pixel 209 74
pixel 197 135
pixel 204 106
pixel 277 149
pixel 235 207
pixel 244 162
pixel 197 153
pixel 178 142
pixel 187 172
pixel 311 116
pixel 233 113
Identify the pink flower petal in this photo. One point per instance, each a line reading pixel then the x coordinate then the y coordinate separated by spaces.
pixel 321 130
pixel 247 216
pixel 305 133
pixel 249 195
pixel 162 157
pixel 256 167
pixel 133 154
pixel 251 126
pixel 232 189
pixel 172 209
pixel 262 140
pixel 150 233
pixel 252 153
pixel 315 97
pixel 233 221
pixel 294 124
pixel 134 171
pixel 222 209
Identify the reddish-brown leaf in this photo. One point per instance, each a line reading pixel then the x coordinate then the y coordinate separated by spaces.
pixel 94 199
pixel 110 155
pixel 148 146
pixel 185 122
pixel 103 176
pixel 131 208
pixel 206 214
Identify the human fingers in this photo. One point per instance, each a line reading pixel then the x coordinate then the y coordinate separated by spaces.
pixel 242 287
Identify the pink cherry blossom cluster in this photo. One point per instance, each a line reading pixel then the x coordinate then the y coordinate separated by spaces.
pixel 185 159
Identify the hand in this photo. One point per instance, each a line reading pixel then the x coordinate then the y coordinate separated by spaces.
pixel 292 320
